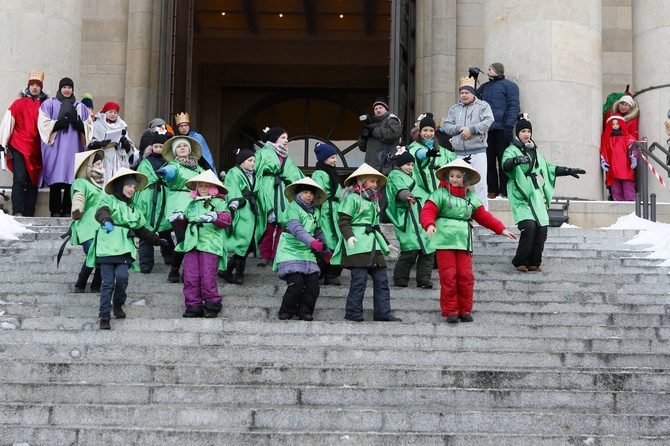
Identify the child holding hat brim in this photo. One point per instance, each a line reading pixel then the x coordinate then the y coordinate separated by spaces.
pixel 204 245
pixel 363 246
pixel 182 154
pixel 299 245
pixel 447 218
pixel 113 249
pixel 248 225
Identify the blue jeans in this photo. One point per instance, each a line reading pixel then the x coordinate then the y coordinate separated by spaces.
pixel 381 295
pixel 114 285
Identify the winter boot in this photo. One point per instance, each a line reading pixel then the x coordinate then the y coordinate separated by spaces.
pixel 194 312
pixel 211 309
pixel 173 275
pixel 80 286
pixel 227 274
pixel 331 280
pixel 97 281
pixel 118 311
pixel 104 323
pixel 240 264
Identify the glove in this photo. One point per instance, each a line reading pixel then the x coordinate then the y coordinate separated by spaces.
pixel 327 256
pixel 123 142
pixel 393 252
pixel 467 159
pixel 316 245
pixel 432 153
pixel 521 160
pixel 176 215
pixel 61 124
pixel 167 172
pixel 350 242
pixel 163 242
pixel 633 162
pixel 605 165
pixel 109 226
pixel 572 171
pixel 78 124
pixel 208 217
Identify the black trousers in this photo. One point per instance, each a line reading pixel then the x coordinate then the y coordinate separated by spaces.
pixel 60 201
pixel 177 257
pixel 407 259
pixel 301 294
pixel 145 252
pixel 24 192
pixel 496 178
pixel 531 243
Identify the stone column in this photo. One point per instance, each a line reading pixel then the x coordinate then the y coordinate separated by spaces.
pixel 141 80
pixel 651 34
pixel 552 50
pixel 38 35
pixel 436 56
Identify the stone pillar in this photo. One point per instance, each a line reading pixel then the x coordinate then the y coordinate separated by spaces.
pixel 651 34
pixel 140 79
pixel 436 56
pixel 552 50
pixel 40 35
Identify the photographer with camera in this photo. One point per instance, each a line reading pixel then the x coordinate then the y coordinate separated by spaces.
pixel 503 97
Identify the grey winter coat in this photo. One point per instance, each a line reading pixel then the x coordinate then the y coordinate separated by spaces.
pixel 478 117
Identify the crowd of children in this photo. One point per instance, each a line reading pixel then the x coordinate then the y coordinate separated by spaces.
pixel 307 229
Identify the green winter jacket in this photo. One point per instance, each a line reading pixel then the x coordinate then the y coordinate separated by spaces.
pixel 84 228
pixel 289 247
pixel 152 200
pixel 530 186
pixel 454 217
pixel 248 225
pixel 272 178
pixel 179 197
pixel 405 218
pixel 424 171
pixel 328 220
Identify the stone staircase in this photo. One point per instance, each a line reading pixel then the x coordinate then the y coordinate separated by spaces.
pixel 576 354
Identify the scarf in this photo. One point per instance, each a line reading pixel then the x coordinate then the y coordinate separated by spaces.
pixel 430 144
pixel 187 161
pixel 332 174
pixel 98 176
pixel 67 107
pixel 279 150
pixel 250 176
pixel 309 208
pixel 366 192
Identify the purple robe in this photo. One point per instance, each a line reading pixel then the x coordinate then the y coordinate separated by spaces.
pixel 58 159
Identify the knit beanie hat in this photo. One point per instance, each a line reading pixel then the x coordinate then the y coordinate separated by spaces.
pixel 381 101
pixel 522 122
pixel 125 181
pixel 427 121
pixel 157 122
pixel 404 158
pixel 110 106
pixel 273 134
pixel 96 157
pixel 66 81
pixel 498 67
pixel 87 100
pixel 160 138
pixel 241 155
pixel 303 187
pixel 324 151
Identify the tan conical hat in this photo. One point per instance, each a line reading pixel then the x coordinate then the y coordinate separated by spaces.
pixel 207 176
pixel 319 196
pixel 142 180
pixel 458 163
pixel 81 157
pixel 168 152
pixel 366 170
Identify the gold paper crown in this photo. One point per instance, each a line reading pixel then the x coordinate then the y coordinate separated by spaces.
pixel 181 117
pixel 36 75
pixel 466 82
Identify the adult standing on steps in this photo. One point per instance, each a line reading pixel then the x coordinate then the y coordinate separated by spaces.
pixel 503 97
pixel 65 127
pixel 183 123
pixel 20 140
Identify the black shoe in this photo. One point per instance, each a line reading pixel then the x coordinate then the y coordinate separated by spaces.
pixel 95 289
pixel 452 319
pixel 388 319
pixel 238 279
pixel 307 317
pixel 211 309
pixel 118 311
pixel 466 318
pixel 402 283
pixel 194 312
pixel 426 285
pixel 78 289
pixel 167 260
pixel 145 270
pixel 226 275
pixel 104 323
pixel 331 280
pixel 285 316
pixel 263 262
pixel 173 276
pixel 354 318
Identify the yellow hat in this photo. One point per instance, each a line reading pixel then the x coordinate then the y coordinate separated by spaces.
pixel 181 117
pixel 82 157
pixel 142 180
pixel 207 176
pixel 168 151
pixel 459 164
pixel 366 170
pixel 319 194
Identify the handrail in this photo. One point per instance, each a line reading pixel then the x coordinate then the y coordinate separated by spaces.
pixel 642 200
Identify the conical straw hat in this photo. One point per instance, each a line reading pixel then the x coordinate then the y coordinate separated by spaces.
pixel 207 176
pixel 142 180
pixel 81 157
pixel 366 170
pixel 458 163
pixel 319 194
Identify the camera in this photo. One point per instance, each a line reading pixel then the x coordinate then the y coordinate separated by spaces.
pixel 474 72
pixel 365 132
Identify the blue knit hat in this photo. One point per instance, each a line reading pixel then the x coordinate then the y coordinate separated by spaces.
pixel 324 151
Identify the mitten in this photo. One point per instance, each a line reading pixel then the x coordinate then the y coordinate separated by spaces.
pixel 109 227
pixel 78 124
pixel 176 215
pixel 316 245
pixel 393 252
pixel 208 217
pixel 633 162
pixel 61 124
pixel 521 160
pixel 327 256
pixel 167 172
pixel 604 164
pixel 351 241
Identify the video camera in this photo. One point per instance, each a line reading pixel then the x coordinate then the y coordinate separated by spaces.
pixel 474 72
